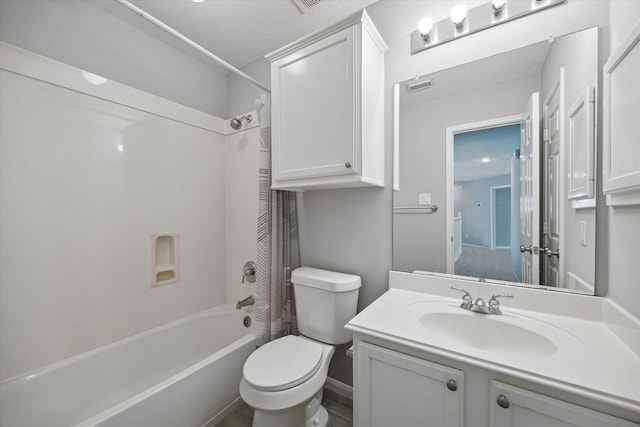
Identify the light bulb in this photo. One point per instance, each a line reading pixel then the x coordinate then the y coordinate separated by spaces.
pixel 425 26
pixel 458 14
pixel 497 6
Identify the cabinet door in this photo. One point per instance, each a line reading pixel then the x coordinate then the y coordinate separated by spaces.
pixel 314 109
pixel 515 407
pixel 394 389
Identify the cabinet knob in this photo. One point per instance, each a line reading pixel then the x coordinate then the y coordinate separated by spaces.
pixel 503 402
pixel 347 165
pixel 451 385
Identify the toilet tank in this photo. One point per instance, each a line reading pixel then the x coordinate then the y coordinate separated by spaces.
pixel 325 302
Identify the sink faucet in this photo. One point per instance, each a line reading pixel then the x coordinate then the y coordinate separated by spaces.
pixel 245 302
pixel 479 306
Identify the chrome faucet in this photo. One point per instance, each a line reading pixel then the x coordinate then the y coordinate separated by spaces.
pixel 479 306
pixel 245 302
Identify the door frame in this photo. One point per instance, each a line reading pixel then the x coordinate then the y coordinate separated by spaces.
pixel 451 131
pixel 492 215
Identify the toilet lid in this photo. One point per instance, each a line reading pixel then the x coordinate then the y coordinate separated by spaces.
pixel 282 364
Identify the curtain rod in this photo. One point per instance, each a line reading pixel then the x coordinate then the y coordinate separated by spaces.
pixel 191 43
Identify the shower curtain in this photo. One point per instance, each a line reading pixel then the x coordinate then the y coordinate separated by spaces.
pixel 277 252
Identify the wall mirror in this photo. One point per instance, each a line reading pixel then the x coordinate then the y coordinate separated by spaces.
pixel 494 167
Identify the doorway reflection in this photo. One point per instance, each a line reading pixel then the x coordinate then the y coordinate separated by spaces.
pixel 486 203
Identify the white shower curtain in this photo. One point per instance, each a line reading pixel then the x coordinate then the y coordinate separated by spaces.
pixel 277 252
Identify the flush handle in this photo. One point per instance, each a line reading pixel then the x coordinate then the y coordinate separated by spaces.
pixel 503 402
pixel 451 385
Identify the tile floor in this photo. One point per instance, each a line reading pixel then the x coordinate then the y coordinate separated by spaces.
pixel 340 412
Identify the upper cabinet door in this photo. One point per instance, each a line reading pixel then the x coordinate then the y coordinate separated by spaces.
pixel 314 117
pixel 621 151
pixel 328 109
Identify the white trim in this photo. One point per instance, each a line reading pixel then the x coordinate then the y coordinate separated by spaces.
pixel 492 214
pixel 28 64
pixel 451 131
pixel 228 410
pixel 629 181
pixel 339 388
pixel 396 137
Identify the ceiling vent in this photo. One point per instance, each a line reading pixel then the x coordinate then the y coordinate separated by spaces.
pixel 305 5
pixel 420 84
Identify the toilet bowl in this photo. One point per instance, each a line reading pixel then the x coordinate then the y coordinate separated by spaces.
pixel 283 380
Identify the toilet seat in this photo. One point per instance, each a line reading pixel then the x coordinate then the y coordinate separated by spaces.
pixel 283 363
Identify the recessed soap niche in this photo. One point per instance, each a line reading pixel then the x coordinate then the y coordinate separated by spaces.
pixel 165 259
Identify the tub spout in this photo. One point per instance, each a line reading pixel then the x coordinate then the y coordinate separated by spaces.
pixel 245 302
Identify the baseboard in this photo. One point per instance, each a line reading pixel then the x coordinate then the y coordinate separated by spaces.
pixel 231 407
pixel 339 388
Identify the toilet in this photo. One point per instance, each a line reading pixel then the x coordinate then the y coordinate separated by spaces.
pixel 283 379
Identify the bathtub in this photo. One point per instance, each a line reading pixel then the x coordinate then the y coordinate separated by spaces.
pixel 185 373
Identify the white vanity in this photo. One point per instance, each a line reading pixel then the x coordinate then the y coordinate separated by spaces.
pixel 550 359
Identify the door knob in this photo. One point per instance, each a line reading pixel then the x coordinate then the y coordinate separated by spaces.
pixel 531 249
pixel 503 402
pixel 551 253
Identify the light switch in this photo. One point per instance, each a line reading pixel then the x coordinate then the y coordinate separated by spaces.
pixel 424 198
pixel 583 233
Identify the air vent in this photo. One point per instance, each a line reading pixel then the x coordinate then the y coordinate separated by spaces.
pixel 420 84
pixel 305 5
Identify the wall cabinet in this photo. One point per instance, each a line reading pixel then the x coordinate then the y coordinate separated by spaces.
pixel 392 387
pixel 328 109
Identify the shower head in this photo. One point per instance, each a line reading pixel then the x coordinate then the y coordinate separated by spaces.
pixel 236 123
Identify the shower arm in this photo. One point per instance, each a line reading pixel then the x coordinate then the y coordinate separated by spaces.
pixel 191 43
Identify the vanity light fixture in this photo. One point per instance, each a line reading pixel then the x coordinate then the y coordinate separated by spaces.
pixel 485 159
pixel 470 21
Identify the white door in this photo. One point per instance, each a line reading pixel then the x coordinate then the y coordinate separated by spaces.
pixel 552 188
pixel 316 138
pixel 512 406
pixel 530 194
pixel 395 389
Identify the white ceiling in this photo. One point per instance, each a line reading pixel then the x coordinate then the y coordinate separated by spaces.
pixel 242 31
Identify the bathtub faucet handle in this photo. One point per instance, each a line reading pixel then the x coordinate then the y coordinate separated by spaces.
pixel 245 302
pixel 249 272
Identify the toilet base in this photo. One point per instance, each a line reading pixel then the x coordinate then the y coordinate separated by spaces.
pixel 309 414
pixel 319 419
pixel 294 417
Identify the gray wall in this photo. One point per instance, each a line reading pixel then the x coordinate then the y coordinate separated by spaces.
pixel 105 38
pixel 579 70
pixel 419 240
pixel 474 201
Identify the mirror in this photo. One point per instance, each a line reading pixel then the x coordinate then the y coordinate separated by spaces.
pixel 494 168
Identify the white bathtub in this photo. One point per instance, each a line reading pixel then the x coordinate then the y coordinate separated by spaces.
pixel 181 374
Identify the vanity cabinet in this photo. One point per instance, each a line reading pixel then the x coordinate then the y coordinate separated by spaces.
pixel 328 109
pixel 398 389
pixel 516 407
pixel 393 387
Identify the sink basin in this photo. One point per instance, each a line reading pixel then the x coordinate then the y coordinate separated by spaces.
pixel 446 324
